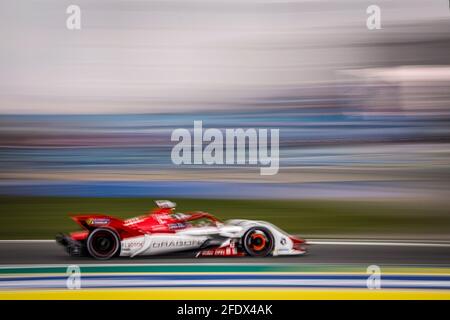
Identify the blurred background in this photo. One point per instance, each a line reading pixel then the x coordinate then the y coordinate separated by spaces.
pixel 86 115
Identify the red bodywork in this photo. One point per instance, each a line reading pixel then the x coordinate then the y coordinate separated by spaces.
pixel 157 221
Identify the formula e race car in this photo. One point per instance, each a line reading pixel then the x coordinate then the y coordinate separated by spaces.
pixel 163 231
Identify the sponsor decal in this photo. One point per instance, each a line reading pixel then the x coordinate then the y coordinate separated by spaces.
pixel 97 221
pixel 132 221
pixel 179 225
pixel 177 243
pixel 133 245
pixel 227 251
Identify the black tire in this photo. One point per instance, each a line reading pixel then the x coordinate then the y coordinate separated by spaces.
pixel 103 243
pixel 258 242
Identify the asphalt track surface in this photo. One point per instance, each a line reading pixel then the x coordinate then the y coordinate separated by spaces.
pixel 39 253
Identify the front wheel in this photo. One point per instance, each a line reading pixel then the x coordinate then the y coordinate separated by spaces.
pixel 258 242
pixel 103 243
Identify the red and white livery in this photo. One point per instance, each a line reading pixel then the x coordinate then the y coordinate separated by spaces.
pixel 163 231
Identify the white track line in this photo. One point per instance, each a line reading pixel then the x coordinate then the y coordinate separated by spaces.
pixel 27 241
pixel 334 242
pixel 379 243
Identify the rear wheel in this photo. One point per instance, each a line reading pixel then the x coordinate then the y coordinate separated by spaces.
pixel 103 243
pixel 258 242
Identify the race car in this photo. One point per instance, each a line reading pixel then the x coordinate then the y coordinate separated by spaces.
pixel 163 231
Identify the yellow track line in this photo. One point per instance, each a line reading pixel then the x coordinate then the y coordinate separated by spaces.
pixel 224 294
pixel 418 272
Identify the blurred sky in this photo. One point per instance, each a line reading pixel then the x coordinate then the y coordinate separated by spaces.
pixel 181 55
pixel 361 113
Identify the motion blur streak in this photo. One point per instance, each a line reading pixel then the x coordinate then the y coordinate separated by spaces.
pixel 364 115
pixel 227 294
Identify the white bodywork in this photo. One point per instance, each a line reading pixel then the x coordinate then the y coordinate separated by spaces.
pixel 283 243
pixel 195 237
